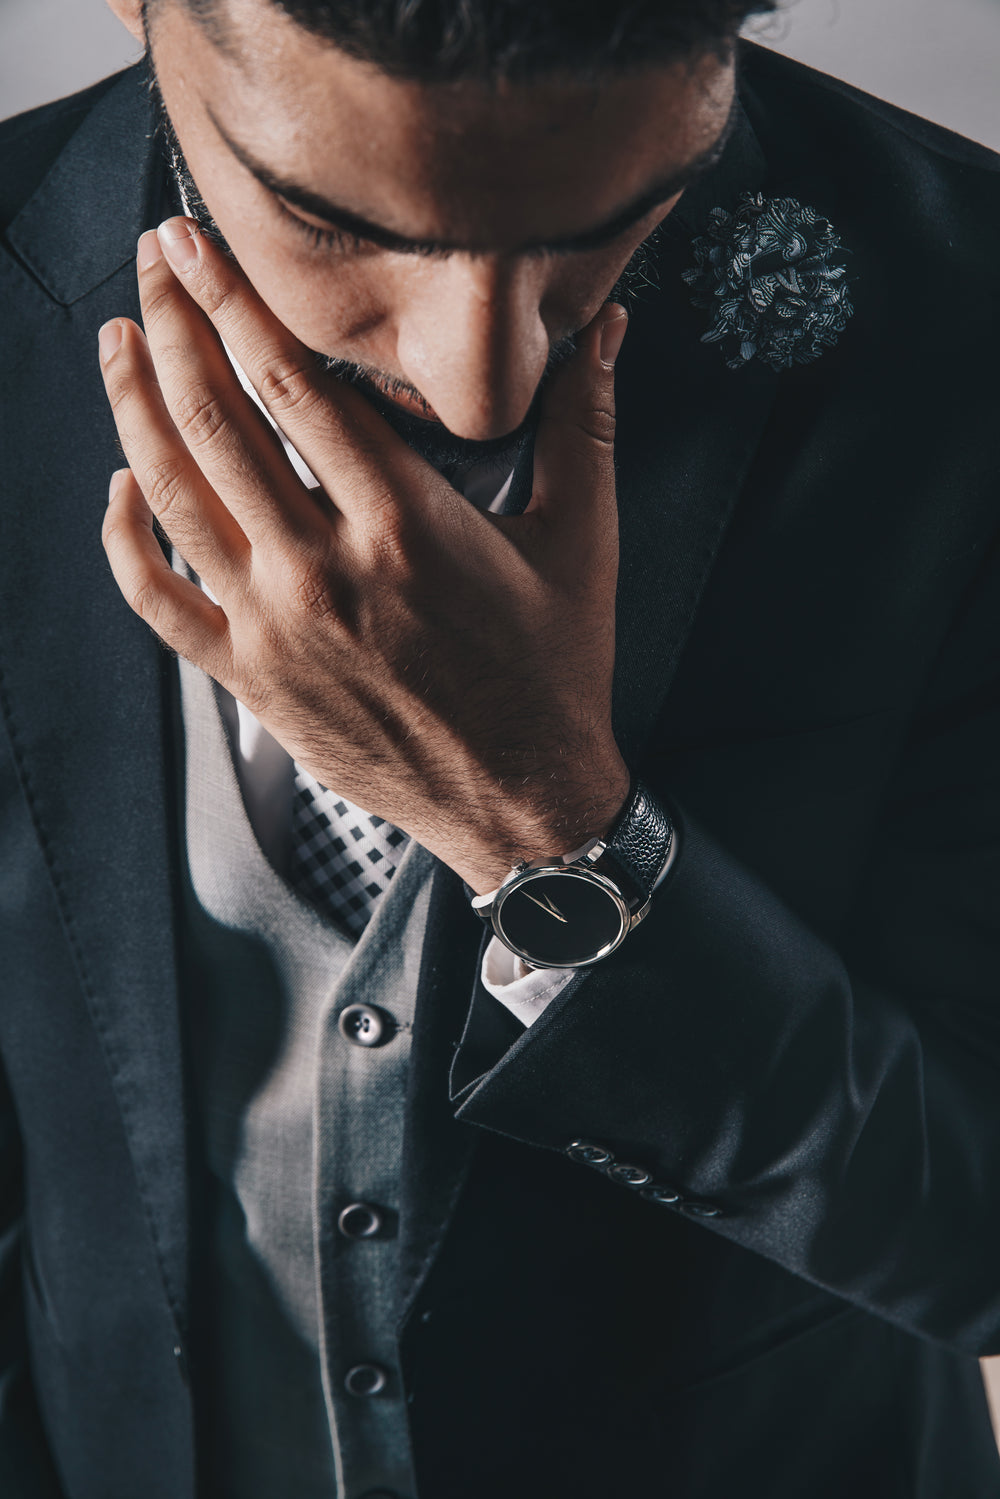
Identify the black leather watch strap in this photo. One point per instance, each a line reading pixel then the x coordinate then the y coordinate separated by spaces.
pixel 641 838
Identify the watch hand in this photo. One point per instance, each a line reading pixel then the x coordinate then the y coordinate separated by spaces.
pixel 546 905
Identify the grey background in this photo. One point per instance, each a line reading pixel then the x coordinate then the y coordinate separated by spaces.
pixel 940 58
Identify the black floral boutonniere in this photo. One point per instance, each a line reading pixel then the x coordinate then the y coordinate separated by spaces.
pixel 771 276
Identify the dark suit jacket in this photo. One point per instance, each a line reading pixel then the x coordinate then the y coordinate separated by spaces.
pixel 800 1046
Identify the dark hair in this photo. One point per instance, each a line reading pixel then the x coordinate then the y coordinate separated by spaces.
pixel 444 40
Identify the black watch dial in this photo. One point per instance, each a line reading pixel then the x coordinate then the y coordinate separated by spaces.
pixel 561 920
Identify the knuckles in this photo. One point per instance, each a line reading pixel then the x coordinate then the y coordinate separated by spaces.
pixel 115 531
pixel 144 599
pixel 288 386
pixel 162 293
pixel 163 484
pixel 313 595
pixel 598 424
pixel 159 295
pixel 214 292
pixel 120 385
pixel 390 536
pixel 199 416
pixel 137 581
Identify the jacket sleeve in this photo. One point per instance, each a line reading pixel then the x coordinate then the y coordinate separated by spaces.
pixel 835 1108
pixel 26 1469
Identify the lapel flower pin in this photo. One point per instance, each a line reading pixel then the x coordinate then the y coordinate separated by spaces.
pixel 770 275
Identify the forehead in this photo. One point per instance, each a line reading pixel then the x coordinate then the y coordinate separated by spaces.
pixel 554 153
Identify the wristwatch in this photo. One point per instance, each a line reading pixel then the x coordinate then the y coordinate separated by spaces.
pixel 569 910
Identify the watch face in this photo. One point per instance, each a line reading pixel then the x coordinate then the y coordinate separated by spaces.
pixel 561 920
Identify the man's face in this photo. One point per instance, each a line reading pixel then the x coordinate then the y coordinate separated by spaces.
pixel 487 230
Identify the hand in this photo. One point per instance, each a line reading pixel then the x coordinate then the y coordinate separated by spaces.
pixel 446 670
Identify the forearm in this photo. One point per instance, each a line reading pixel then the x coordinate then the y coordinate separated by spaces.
pixel 838 1127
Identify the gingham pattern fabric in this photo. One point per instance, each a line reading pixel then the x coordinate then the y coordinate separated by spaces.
pixel 342 859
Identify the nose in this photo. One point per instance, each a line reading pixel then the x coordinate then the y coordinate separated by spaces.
pixel 471 339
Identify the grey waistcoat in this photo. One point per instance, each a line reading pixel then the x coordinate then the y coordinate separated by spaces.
pixel 297 1122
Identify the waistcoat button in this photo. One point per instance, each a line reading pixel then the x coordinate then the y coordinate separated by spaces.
pixel 359 1221
pixel 364 1025
pixel 365 1379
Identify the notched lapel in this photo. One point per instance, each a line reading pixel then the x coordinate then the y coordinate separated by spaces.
pixel 80 225
pixel 688 431
pixel 84 680
pixel 437 1150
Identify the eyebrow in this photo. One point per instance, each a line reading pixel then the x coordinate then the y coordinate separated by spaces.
pixel 345 219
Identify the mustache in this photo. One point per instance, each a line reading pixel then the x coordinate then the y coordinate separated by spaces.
pixel 431 439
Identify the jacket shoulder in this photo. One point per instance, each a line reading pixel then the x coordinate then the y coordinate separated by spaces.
pixel 810 95
pixel 916 204
pixel 30 143
pixel 929 188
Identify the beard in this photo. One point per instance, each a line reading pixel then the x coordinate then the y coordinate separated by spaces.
pixel 431 439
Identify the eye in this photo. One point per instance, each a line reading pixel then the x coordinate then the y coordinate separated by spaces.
pixel 331 239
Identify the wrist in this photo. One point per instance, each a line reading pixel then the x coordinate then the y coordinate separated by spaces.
pixel 571 819
pixel 571 910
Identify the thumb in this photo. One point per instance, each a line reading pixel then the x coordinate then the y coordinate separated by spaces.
pixel 574 465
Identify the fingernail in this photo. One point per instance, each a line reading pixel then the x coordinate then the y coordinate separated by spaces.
pixel 117 480
pixel 109 339
pixel 612 333
pixel 148 250
pixel 179 239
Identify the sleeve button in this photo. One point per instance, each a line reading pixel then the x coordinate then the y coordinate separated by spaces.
pixel 589 1154
pixel 629 1176
pixel 662 1193
pixel 702 1209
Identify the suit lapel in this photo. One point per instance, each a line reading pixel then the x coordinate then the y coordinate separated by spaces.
pixel 89 730
pixel 437 1150
pixel 688 431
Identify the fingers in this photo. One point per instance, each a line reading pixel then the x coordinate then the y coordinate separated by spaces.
pixel 205 533
pixel 574 468
pixel 337 432
pixel 175 609
pixel 233 444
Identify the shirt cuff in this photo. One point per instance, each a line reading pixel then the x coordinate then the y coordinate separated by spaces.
pixel 525 992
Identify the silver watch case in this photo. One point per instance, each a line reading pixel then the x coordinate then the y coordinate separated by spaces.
pixel 580 864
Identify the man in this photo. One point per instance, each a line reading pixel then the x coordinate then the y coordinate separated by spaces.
pixel 456 1179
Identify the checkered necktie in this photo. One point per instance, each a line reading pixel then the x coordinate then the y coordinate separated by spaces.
pixel 342 859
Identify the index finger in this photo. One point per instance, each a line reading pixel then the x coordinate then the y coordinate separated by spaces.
pixel 337 432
